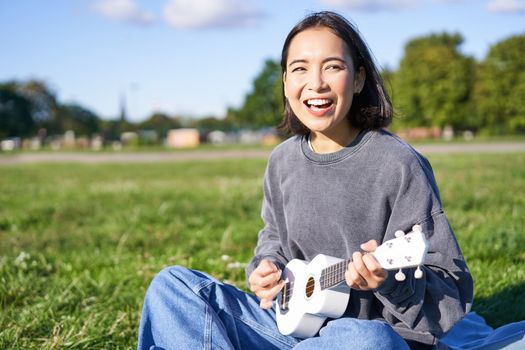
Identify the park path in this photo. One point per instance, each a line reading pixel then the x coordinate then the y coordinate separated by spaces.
pixel 152 157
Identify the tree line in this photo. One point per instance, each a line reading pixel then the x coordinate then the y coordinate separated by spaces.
pixel 436 85
pixel 31 108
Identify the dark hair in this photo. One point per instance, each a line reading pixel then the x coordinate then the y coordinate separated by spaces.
pixel 371 108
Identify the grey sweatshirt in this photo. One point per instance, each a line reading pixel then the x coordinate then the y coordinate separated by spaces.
pixel 332 203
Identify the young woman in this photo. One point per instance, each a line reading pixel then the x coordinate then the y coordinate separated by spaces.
pixel 340 186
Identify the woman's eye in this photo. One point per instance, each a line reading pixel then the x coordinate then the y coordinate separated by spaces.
pixel 334 67
pixel 298 69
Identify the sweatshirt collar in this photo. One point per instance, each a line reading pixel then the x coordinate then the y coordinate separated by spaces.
pixel 328 158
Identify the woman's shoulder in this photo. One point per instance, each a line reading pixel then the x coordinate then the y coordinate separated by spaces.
pixel 286 148
pixel 394 149
pixel 396 156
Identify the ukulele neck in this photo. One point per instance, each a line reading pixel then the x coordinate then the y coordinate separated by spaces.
pixel 333 274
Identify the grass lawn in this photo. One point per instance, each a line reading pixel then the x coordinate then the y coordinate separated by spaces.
pixel 80 243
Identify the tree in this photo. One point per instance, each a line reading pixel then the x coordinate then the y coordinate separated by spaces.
pixel 263 106
pixel 499 92
pixel 161 123
pixel 388 75
pixel 16 119
pixel 43 100
pixel 111 130
pixel 76 118
pixel 434 82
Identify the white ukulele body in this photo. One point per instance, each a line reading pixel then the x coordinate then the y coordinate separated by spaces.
pixel 307 312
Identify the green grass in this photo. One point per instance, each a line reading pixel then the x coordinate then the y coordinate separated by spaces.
pixel 142 149
pixel 80 243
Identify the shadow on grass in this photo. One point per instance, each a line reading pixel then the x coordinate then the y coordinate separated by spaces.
pixel 506 306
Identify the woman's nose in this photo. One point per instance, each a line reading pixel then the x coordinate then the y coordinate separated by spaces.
pixel 316 81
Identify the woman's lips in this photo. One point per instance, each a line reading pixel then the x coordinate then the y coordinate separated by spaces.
pixel 319 106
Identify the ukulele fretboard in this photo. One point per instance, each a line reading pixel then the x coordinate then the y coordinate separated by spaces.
pixel 333 274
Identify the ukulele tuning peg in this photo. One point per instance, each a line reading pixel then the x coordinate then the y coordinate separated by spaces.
pixel 400 276
pixel 417 228
pixel 399 233
pixel 418 273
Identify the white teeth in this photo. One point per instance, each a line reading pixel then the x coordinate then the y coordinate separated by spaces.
pixel 318 101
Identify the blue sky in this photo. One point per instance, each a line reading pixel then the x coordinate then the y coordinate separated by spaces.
pixel 197 57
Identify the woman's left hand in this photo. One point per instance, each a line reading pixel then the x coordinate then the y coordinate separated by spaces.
pixel 365 272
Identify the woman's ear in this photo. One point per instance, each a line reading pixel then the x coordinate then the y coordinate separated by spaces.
pixel 284 85
pixel 359 80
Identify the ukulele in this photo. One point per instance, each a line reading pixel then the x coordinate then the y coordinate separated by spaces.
pixel 317 290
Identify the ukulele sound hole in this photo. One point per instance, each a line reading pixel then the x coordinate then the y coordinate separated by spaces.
pixel 310 285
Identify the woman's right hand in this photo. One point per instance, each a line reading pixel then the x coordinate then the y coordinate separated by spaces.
pixel 265 281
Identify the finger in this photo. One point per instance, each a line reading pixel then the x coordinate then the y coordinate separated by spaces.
pixel 271 292
pixel 354 279
pixel 368 280
pixel 270 280
pixel 266 267
pixel 253 280
pixel 360 267
pixel 373 266
pixel 266 303
pixel 259 283
pixel 369 246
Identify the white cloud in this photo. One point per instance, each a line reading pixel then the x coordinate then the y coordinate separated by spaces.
pixel 372 5
pixel 198 14
pixel 508 6
pixel 123 10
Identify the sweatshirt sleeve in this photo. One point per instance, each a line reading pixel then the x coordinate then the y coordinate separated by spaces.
pixel 268 242
pixel 429 306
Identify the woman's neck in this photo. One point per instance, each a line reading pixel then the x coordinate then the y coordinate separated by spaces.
pixel 323 143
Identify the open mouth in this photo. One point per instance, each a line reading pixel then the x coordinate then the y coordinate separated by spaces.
pixel 319 103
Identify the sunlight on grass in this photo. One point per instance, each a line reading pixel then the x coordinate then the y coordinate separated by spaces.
pixel 80 243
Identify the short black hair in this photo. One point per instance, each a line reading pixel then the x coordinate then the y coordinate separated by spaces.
pixel 371 108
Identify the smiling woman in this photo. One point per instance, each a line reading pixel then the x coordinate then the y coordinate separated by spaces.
pixel 339 187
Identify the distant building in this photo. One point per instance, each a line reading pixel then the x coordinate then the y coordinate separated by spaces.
pixel 97 143
pixel 419 133
pixel 217 137
pixel 10 144
pixel 183 138
pixel 129 138
pixel 148 137
pixel 69 139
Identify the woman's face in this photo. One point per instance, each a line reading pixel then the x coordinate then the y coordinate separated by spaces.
pixel 320 80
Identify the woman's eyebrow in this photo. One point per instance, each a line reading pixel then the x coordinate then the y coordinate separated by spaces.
pixel 297 61
pixel 332 58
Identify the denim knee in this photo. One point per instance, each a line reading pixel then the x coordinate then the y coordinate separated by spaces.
pixel 179 279
pixel 162 283
pixel 176 271
pixel 366 334
pixel 383 334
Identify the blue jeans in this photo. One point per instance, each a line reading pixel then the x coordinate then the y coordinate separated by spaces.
pixel 186 309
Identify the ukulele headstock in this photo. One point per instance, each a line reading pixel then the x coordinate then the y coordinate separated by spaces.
pixel 406 250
